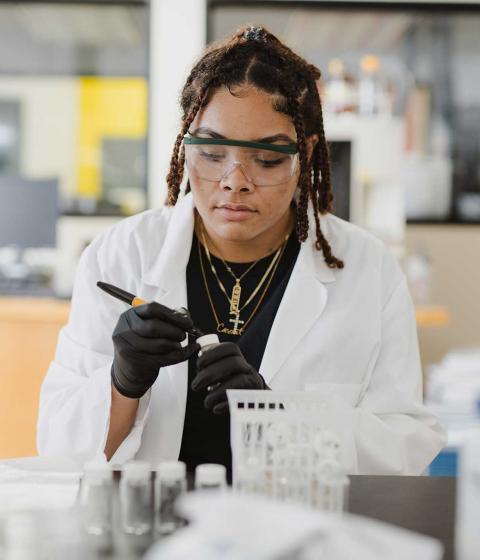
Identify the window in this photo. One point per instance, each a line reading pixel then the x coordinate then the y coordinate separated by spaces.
pixel 73 100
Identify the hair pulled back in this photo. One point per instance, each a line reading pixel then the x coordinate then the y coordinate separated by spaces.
pixel 253 56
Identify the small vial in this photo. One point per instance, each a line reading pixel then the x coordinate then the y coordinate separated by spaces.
pixel 169 485
pixel 210 476
pixel 96 496
pixel 136 498
pixel 331 487
pixel 206 341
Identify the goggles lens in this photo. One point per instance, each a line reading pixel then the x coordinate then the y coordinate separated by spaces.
pixel 262 164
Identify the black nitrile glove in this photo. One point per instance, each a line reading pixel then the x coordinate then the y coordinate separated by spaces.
pixel 145 339
pixel 223 367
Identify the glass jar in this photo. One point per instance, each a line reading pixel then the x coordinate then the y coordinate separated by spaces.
pixel 170 484
pixel 136 498
pixel 96 497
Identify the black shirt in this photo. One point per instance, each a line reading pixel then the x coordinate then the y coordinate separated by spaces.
pixel 206 436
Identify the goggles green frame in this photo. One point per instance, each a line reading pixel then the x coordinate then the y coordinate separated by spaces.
pixel 291 149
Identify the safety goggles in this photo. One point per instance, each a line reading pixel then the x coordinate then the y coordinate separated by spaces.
pixel 262 164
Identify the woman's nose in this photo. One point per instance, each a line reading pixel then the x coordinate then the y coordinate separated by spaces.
pixel 236 179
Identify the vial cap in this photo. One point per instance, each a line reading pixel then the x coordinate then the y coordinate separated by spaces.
pixel 136 469
pixel 172 470
pixel 210 473
pixel 207 339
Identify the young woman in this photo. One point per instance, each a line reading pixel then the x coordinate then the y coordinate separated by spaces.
pixel 299 298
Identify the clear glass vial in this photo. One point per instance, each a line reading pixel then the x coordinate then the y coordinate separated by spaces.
pixel 170 483
pixel 208 341
pixel 136 500
pixel 210 476
pixel 96 498
pixel 96 502
pixel 331 487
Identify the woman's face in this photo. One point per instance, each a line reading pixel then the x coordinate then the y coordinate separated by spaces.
pixel 233 209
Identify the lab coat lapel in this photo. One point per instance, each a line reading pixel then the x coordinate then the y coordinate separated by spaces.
pixel 302 304
pixel 166 279
pixel 167 271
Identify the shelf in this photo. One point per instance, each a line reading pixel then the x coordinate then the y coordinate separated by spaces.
pixel 441 223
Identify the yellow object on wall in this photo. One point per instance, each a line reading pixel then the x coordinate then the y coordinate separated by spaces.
pixel 109 107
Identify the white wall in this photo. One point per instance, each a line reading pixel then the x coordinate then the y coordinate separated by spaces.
pixel 177 38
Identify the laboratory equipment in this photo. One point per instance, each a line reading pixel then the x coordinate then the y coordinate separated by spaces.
pixel 136 500
pixel 96 497
pixel 210 476
pixel 170 484
pixel 289 446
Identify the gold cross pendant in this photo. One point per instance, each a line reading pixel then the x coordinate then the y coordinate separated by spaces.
pixel 236 321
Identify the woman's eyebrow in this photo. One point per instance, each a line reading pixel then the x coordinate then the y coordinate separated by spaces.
pixel 276 138
pixel 266 140
pixel 209 132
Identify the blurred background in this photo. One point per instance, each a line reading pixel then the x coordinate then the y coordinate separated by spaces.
pixel 88 117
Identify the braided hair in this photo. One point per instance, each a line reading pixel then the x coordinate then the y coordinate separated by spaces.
pixel 255 57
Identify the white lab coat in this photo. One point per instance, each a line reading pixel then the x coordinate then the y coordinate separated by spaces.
pixel 351 331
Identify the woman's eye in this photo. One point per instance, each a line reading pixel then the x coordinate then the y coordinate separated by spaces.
pixel 270 162
pixel 212 156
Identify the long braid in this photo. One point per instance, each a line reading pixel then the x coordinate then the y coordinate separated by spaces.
pixel 321 179
pixel 173 180
pixel 315 178
pixel 310 185
pixel 321 189
pixel 303 181
pixel 175 174
pixel 326 193
pixel 317 172
pixel 316 191
pixel 323 173
pixel 181 164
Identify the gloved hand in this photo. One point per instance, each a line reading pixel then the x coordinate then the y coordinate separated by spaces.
pixel 223 367
pixel 145 339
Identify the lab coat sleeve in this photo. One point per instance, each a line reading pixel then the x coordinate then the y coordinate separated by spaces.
pixel 75 397
pixel 394 432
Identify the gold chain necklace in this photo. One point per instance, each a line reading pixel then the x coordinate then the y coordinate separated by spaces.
pixel 221 326
pixel 234 299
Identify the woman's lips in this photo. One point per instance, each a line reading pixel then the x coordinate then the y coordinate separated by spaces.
pixel 235 213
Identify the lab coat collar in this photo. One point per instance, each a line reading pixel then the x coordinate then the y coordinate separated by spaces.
pixel 311 258
pixel 303 302
pixel 165 271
